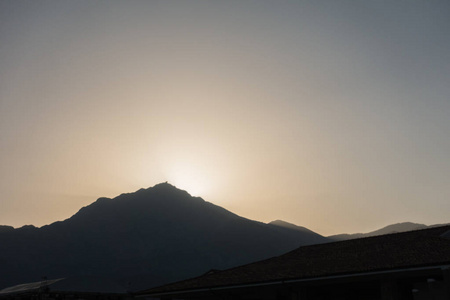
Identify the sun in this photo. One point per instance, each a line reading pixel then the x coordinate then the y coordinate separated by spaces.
pixel 192 179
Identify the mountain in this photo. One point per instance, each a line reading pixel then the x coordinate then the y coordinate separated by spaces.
pixel 145 238
pixel 286 225
pixel 399 227
pixel 4 228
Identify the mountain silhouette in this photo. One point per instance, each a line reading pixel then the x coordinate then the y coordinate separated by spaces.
pixel 145 238
pixel 393 228
pixel 284 224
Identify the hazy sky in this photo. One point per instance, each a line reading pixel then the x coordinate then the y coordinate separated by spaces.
pixel 334 115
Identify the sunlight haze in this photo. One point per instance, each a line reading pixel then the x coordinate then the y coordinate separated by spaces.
pixel 332 115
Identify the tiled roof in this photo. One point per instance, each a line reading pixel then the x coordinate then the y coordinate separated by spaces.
pixel 428 247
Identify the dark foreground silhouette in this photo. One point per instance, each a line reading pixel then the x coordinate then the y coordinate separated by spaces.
pixel 142 239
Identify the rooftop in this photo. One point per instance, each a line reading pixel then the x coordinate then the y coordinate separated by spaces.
pixel 414 249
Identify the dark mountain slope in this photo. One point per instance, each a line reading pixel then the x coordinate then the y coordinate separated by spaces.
pixel 148 237
pixel 399 227
pixel 284 224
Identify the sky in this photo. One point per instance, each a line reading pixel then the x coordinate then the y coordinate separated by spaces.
pixel 333 115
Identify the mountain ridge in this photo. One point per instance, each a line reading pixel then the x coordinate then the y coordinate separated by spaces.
pixel 148 237
pixel 392 228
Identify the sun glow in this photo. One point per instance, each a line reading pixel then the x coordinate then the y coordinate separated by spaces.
pixel 189 177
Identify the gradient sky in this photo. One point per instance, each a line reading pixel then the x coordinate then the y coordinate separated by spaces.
pixel 333 115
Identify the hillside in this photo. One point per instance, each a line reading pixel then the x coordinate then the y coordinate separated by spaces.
pixel 145 238
pixel 393 228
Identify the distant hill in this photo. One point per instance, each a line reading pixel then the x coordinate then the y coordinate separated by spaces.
pixel 4 228
pixel 145 238
pixel 284 224
pixel 399 227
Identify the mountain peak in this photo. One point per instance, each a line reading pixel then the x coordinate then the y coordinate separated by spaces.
pixel 161 197
pixel 393 228
pixel 150 236
pixel 285 224
pixel 290 226
pixel 165 185
pixel 281 223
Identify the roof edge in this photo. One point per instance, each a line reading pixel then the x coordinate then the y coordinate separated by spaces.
pixel 216 288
